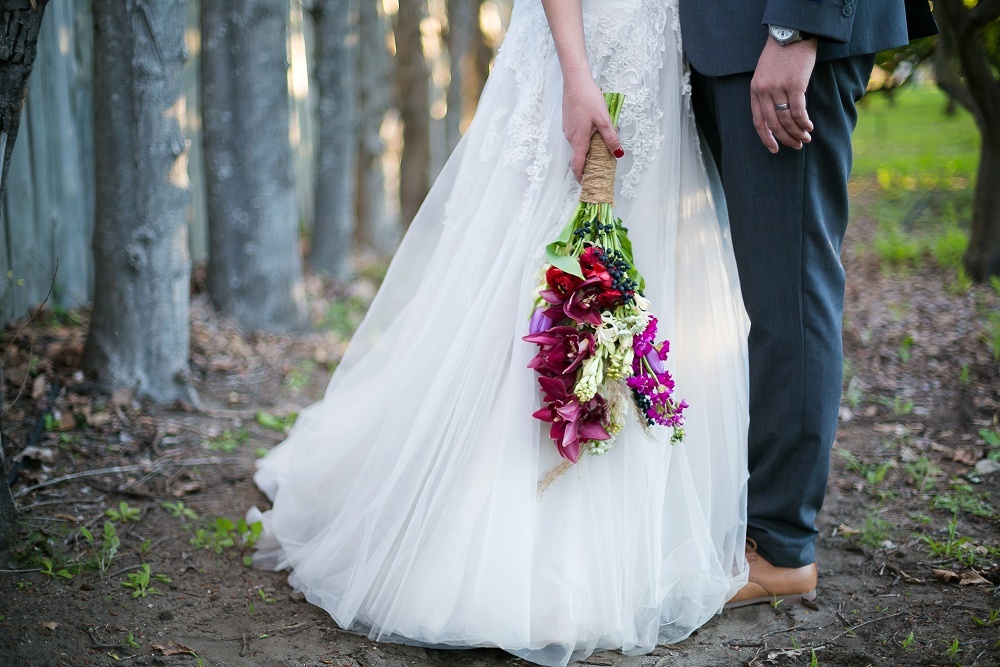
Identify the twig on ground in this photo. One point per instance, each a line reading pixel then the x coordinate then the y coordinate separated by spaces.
pixel 214 460
pixel 96 644
pixel 796 627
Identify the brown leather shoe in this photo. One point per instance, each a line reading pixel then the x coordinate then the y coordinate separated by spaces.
pixel 769 583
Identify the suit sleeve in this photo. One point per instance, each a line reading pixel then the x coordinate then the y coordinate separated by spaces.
pixel 830 20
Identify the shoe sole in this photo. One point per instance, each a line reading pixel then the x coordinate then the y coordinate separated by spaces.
pixel 770 599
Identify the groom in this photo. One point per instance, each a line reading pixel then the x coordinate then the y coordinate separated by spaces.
pixel 775 84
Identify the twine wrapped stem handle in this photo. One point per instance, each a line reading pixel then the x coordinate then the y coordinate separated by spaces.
pixel 599 168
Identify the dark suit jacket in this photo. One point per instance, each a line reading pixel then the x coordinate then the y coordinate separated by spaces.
pixel 727 36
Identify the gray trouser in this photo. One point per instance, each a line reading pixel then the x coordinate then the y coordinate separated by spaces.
pixel 788 214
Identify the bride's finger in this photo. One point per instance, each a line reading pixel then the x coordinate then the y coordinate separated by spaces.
pixel 610 136
pixel 580 148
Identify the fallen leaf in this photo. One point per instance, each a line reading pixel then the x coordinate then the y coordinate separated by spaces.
pixel 99 419
pixel 186 488
pixel 38 387
pixel 66 421
pixel 972 578
pixel 946 576
pixel 847 531
pixel 172 648
pixel 50 625
pixel 966 455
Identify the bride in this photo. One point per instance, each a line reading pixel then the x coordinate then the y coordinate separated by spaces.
pixel 405 501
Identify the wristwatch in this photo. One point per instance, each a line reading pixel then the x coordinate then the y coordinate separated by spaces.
pixel 785 36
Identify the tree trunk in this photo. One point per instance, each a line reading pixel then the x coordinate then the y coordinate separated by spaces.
pixel 20 21
pixel 463 30
pixel 966 71
pixel 254 265
pixel 982 259
pixel 413 101
pixel 139 328
pixel 336 24
pixel 375 228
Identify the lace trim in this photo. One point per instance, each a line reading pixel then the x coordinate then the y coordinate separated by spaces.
pixel 626 42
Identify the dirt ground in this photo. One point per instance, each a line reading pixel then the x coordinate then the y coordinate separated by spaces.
pixel 909 548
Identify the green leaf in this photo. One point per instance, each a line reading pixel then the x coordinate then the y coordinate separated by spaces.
pixel 570 265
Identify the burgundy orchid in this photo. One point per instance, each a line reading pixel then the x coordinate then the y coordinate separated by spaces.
pixel 561 350
pixel 584 304
pixel 573 423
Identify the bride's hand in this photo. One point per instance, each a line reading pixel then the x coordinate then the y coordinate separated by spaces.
pixel 586 112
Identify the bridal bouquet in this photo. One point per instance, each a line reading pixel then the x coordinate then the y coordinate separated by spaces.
pixel 597 358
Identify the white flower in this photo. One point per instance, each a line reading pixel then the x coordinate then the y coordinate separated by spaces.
pixel 590 379
pixel 642 302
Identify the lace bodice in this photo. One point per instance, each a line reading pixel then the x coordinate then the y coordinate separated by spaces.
pixel 627 41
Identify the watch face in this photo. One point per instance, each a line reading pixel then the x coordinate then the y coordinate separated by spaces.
pixel 782 34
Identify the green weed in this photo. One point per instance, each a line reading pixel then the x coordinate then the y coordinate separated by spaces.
pixel 229 441
pixel 140 582
pixel 908 641
pixel 922 471
pixel 905 348
pixel 109 545
pixel 124 512
pixel 178 510
pixel 47 569
pixel 962 498
pixel 875 533
pixel 992 619
pixel 276 423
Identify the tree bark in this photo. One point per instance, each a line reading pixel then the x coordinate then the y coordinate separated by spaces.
pixel 375 229
pixel 413 101
pixel 254 265
pixel 968 74
pixel 20 21
pixel 139 327
pixel 469 55
pixel 336 24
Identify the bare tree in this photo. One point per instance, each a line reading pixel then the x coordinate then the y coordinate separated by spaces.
pixel 20 21
pixel 254 265
pixel 968 70
pixel 336 24
pixel 413 101
pixel 375 229
pixel 469 57
pixel 139 328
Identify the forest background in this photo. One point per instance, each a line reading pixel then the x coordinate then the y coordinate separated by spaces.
pixel 152 349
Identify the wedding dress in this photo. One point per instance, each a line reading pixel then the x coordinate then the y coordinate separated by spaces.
pixel 405 501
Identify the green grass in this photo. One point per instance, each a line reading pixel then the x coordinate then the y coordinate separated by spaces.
pixel 915 139
pixel 920 163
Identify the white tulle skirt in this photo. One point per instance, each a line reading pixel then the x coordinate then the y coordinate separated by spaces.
pixel 405 501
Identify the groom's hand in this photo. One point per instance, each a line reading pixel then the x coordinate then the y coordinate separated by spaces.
pixel 781 78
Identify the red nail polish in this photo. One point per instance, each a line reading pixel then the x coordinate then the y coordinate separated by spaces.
pixel 619 153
